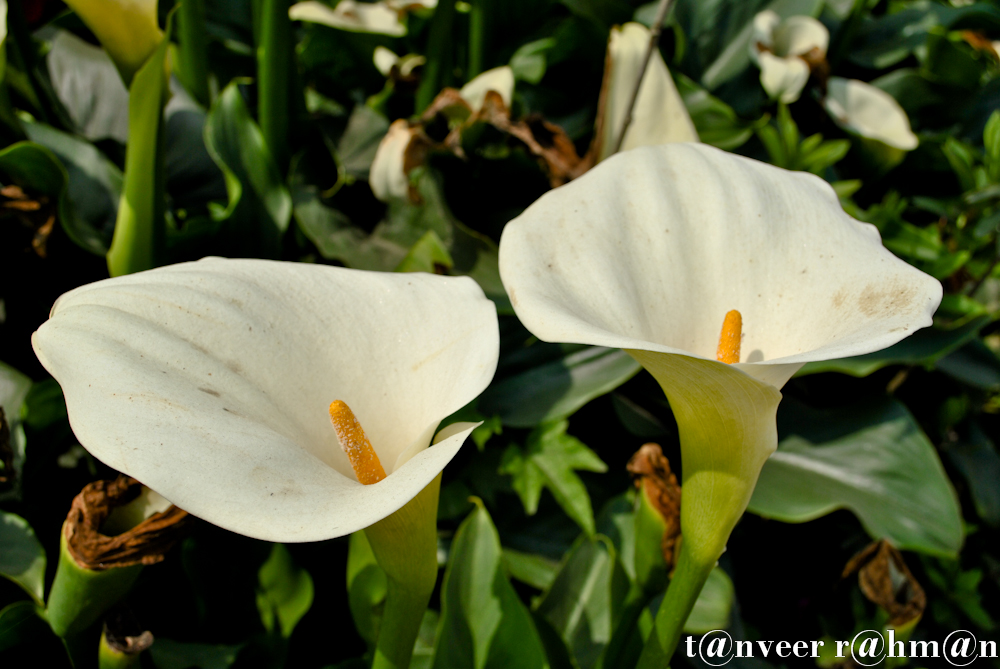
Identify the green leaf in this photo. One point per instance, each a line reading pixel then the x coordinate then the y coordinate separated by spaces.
pixel 973 364
pixel 991 142
pixel 356 149
pixel 93 188
pixel 872 468
pixel 44 404
pixel 285 592
pixel 427 255
pixel 260 205
pixel 22 558
pixel 139 241
pixel 712 609
pixel 14 388
pixel 556 389
pixel 924 347
pixel 534 570
pixel 549 460
pixel 484 625
pixel 579 605
pixel 528 62
pixel 22 623
pixel 977 460
pixel 716 122
pixel 169 654
pixel 366 587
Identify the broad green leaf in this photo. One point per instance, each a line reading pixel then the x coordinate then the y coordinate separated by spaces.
pixel 22 623
pixel 285 592
pixel 617 522
pixel 923 347
pixel 22 558
pixel 169 654
pixel 715 602
pixel 356 149
pixel 550 459
pixel 260 205
pixel 556 389
pixel 535 570
pixel 716 122
pixel 93 188
pixel 484 625
pixel 139 241
pixel 977 460
pixel 330 230
pixel 528 62
pixel 44 404
pixel 580 604
pixel 427 255
pixel 884 470
pixel 366 587
pixel 973 364
pixel 14 388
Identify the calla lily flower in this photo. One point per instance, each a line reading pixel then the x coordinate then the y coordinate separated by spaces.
pixel 127 29
pixel 405 145
pixel 210 381
pixel 869 112
pixel 650 251
pixel 382 18
pixel 659 115
pixel 786 51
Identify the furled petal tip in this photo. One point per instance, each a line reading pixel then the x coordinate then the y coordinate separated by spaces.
pixel 127 29
pixel 659 115
pixel 650 251
pixel 870 112
pixel 786 52
pixel 211 381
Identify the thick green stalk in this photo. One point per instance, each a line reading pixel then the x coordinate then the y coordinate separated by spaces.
pixel 439 53
pixel 79 596
pixel 685 586
pixel 405 547
pixel 140 229
pixel 110 657
pixel 477 37
pixel 194 50
pixel 274 61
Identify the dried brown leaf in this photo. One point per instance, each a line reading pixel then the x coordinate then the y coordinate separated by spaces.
pixel 885 580
pixel 651 474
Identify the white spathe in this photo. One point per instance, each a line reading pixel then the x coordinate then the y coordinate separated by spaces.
pixel 387 177
pixel 869 112
pixel 499 79
pixel 659 115
pixel 210 382
pixel 361 17
pixel 778 47
pixel 649 250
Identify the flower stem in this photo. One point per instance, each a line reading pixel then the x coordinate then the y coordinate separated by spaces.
pixel 274 52
pixel 401 618
pixel 685 586
pixel 477 37
pixel 194 49
pixel 439 52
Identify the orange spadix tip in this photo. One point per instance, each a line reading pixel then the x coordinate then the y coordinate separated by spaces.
pixel 352 438
pixel 729 341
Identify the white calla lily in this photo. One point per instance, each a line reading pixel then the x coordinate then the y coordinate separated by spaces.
pixel 659 115
pixel 499 79
pixel 210 381
pixel 360 17
pixel 650 250
pixel 869 112
pixel 127 29
pixel 782 49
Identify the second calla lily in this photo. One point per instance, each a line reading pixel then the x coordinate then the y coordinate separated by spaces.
pixel 652 249
pixel 127 29
pixel 210 382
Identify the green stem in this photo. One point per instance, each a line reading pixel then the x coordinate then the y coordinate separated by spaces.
pixel 685 586
pixel 477 37
pixel 194 49
pixel 79 596
pixel 274 60
pixel 401 618
pixel 635 603
pixel 439 53
pixel 109 657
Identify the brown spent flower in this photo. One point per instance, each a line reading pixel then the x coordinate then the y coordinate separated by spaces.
pixel 146 543
pixel 651 474
pixel 123 635
pixel 885 580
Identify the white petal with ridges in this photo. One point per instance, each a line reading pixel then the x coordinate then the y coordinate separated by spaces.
pixel 499 79
pixel 863 109
pixel 361 17
pixel 210 381
pixel 783 78
pixel 659 115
